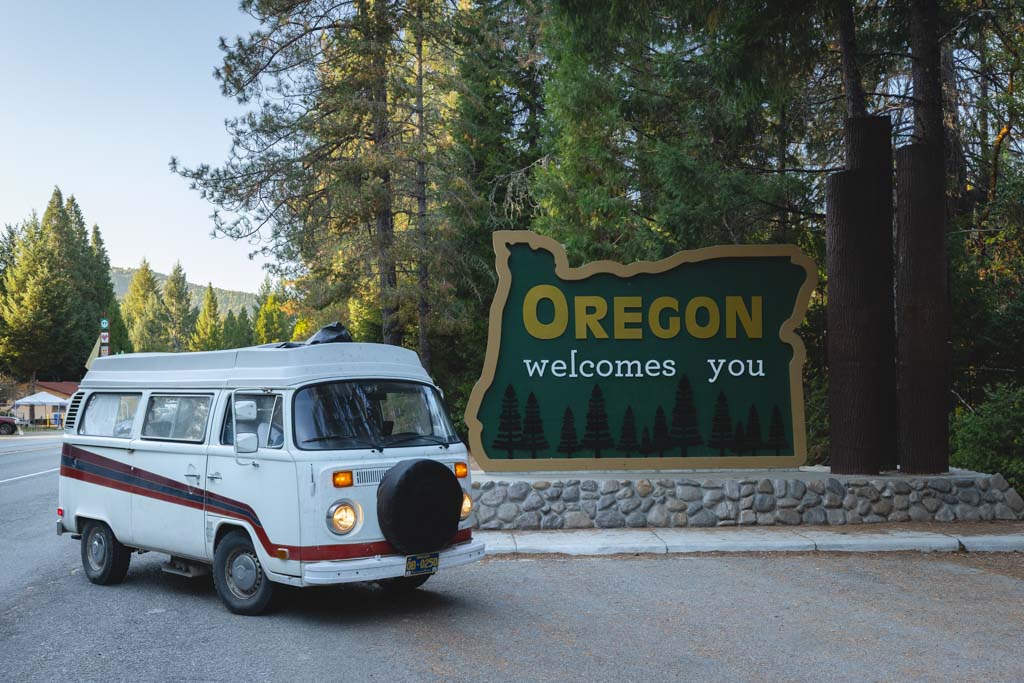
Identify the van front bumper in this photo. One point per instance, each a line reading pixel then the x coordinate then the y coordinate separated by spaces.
pixel 382 566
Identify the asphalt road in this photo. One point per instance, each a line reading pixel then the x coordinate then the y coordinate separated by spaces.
pixel 738 618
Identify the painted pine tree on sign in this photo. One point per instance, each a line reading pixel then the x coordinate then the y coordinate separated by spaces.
pixel 721 425
pixel 684 418
pixel 661 441
pixel 753 434
pixel 597 437
pixel 533 428
pixel 776 432
pixel 627 436
pixel 510 433
pixel 568 443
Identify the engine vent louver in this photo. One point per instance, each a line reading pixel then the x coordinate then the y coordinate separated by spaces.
pixel 370 477
pixel 73 407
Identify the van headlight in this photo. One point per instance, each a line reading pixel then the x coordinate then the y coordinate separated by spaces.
pixel 342 518
pixel 467 505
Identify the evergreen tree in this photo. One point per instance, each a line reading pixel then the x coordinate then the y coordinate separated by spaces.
pixel 776 432
pixel 143 284
pixel 597 436
pixel 753 433
pixel 661 440
pixel 627 436
pixel 208 335
pixel 178 305
pixel 533 427
pixel 684 418
pixel 510 434
pixel 230 328
pixel 721 425
pixel 272 323
pixel 739 439
pixel 120 341
pixel 149 331
pixel 568 443
pixel 47 330
pixel 243 329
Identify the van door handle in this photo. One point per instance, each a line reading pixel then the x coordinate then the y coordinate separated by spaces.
pixel 192 474
pixel 213 477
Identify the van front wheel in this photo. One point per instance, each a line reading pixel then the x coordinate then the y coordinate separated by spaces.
pixel 104 559
pixel 238 575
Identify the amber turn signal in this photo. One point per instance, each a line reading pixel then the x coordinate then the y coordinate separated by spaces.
pixel 461 469
pixel 342 479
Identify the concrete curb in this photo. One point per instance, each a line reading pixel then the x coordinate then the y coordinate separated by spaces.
pixel 684 541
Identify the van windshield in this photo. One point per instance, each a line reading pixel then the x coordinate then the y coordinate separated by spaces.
pixel 370 414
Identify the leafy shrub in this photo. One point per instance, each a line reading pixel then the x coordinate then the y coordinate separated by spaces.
pixel 991 439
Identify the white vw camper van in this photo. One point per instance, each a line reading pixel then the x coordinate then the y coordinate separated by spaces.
pixel 303 464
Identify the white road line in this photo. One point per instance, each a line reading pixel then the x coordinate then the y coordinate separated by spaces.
pixel 28 450
pixel 26 476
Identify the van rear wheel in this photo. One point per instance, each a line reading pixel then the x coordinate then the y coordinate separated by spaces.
pixel 238 576
pixel 104 559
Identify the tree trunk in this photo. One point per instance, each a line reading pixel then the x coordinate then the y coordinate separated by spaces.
pixel 855 102
pixel 869 149
pixel 384 225
pixel 859 319
pixel 955 164
pixel 922 305
pixel 423 274
pixel 926 71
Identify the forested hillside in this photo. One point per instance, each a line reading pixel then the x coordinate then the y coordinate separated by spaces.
pixel 230 300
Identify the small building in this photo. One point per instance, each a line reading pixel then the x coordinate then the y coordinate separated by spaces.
pixel 49 404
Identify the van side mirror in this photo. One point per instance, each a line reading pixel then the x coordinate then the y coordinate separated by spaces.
pixel 245 411
pixel 246 442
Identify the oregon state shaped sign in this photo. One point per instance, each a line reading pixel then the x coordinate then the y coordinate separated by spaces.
pixel 688 362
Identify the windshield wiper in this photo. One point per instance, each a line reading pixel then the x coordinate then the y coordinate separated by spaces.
pixel 429 437
pixel 339 437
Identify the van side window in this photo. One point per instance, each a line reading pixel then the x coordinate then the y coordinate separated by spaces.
pixel 268 425
pixel 176 418
pixel 109 415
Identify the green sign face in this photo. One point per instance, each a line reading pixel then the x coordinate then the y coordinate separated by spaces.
pixel 689 362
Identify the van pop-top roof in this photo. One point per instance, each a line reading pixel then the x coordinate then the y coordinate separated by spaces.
pixel 273 366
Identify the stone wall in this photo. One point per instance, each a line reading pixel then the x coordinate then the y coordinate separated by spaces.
pixel 613 503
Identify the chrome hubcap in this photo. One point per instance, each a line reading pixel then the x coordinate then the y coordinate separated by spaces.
pixel 97 550
pixel 244 576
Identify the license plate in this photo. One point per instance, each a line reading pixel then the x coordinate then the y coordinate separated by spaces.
pixel 426 563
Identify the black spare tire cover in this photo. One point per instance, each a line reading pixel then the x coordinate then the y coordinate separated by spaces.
pixel 418 506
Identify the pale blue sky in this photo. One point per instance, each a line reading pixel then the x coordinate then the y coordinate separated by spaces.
pixel 96 97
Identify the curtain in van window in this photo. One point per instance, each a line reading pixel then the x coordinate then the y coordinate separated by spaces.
pixel 109 415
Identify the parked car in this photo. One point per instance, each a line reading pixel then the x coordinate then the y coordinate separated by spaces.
pixel 299 464
pixel 9 425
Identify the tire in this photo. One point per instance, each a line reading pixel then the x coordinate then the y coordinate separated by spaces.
pixel 104 559
pixel 238 576
pixel 418 506
pixel 403 584
pixel 6 428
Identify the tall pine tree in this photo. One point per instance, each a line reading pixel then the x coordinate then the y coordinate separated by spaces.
pixel 149 331
pixel 272 323
pixel 208 335
pixel 120 341
pixel 141 286
pixel 179 311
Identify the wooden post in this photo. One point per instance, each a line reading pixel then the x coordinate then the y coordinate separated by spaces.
pixel 924 360
pixel 869 148
pixel 854 401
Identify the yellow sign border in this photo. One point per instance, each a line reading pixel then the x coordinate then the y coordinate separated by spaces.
pixel 503 239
